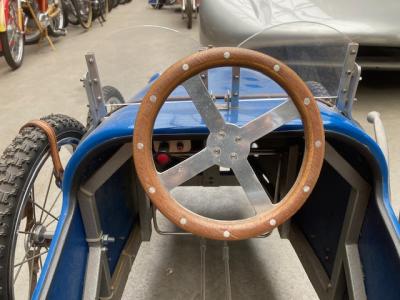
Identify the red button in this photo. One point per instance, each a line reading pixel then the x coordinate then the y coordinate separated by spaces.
pixel 163 158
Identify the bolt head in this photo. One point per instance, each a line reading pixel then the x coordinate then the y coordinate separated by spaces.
pixel 217 151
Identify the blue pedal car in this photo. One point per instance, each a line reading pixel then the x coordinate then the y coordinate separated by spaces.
pixel 270 118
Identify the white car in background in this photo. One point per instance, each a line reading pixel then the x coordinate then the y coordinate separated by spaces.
pixel 374 25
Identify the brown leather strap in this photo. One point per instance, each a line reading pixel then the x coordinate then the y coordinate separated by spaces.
pixel 52 138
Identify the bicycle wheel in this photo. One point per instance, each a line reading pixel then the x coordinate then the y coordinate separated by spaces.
pixel 12 40
pixel 84 12
pixel 30 203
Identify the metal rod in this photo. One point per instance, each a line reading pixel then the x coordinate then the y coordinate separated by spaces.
pixel 225 257
pixel 203 248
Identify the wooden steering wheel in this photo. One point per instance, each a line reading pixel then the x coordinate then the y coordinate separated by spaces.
pixel 228 145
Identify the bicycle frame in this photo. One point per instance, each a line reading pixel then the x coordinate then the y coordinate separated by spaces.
pixel 4 15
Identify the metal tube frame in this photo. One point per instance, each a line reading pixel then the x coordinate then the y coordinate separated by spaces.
pixel 98 281
pixel 347 271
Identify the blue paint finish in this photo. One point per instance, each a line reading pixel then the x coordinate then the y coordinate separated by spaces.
pixel 72 262
pixel 182 118
pixel 116 217
pixel 381 283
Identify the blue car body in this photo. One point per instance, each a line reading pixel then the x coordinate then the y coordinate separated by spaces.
pixel 378 245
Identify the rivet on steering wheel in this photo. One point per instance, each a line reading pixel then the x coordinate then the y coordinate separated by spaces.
pixel 185 67
pixel 227 234
pixel 153 98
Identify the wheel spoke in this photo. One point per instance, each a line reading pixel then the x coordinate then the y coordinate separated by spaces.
pixel 19 269
pixel 270 121
pixel 50 214
pixel 204 103
pixel 252 186
pixel 52 206
pixel 45 199
pixel 187 169
pixel 25 260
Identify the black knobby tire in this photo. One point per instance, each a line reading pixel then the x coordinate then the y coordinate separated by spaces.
pixel 110 93
pixel 318 90
pixel 18 165
pixel 14 64
pixel 111 96
pixel 189 13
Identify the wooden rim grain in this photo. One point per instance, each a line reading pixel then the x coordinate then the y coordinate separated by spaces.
pixel 312 159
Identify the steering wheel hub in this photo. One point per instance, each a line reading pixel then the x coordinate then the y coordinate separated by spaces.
pixel 228 146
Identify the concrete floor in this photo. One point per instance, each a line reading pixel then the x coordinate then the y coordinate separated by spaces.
pixel 169 267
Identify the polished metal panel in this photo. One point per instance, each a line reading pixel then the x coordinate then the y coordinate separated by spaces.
pixel 252 186
pixel 204 103
pixel 94 91
pixel 187 169
pixel 228 145
pixel 270 121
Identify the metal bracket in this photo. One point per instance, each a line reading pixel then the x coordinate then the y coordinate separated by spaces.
pixel 94 91
pixel 235 87
pixel 348 81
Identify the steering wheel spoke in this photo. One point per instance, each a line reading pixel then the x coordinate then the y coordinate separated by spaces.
pixel 270 121
pixel 204 103
pixel 187 169
pixel 252 187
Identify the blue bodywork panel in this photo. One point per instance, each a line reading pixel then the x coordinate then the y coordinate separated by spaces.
pixel 181 117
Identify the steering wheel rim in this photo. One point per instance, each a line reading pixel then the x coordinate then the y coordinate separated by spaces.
pixel 184 72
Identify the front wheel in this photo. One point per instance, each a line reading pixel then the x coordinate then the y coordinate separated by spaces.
pixel 84 12
pixel 30 203
pixel 12 40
